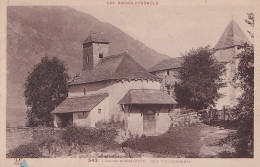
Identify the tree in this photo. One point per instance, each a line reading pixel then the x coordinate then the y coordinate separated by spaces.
pixel 200 77
pixel 245 108
pixel 45 88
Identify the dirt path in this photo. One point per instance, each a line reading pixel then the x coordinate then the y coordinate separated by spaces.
pixel 210 140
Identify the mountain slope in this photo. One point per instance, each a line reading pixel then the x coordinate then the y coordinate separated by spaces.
pixel 33 32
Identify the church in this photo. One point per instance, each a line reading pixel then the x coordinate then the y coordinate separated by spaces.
pixel 114 87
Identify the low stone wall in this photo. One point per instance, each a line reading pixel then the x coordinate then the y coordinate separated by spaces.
pixel 184 119
pixel 16 136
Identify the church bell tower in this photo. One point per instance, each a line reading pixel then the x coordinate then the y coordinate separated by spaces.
pixel 95 47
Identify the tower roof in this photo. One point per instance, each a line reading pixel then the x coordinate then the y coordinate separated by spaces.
pixel 96 37
pixel 232 36
pixel 115 67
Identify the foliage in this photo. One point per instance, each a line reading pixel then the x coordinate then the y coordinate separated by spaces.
pixel 45 88
pixel 245 108
pixel 110 124
pixel 25 151
pixel 200 77
pixel 88 136
pixel 251 22
pixel 244 139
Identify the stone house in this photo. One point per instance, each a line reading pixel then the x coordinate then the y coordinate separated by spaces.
pixel 105 80
pixel 225 52
pixel 168 70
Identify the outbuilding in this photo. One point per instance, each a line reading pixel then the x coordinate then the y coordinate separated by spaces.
pixel 146 111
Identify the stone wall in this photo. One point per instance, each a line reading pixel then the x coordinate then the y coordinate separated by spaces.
pixel 16 136
pixel 178 119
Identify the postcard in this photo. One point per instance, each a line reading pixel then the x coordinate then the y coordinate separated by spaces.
pixel 129 82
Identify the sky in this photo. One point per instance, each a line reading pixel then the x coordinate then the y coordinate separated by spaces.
pixel 171 30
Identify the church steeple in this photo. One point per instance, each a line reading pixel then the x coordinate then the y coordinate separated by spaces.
pixel 95 47
pixel 232 36
pixel 226 51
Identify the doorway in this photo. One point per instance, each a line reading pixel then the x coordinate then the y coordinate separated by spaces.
pixel 149 123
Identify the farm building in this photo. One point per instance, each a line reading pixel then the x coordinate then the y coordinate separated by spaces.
pixel 107 89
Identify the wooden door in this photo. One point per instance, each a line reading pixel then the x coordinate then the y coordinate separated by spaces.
pixel 149 123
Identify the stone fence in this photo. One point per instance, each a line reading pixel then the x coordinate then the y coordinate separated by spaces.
pixel 16 136
pixel 180 119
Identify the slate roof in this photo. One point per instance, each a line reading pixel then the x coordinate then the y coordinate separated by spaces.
pixel 232 36
pixel 116 67
pixel 79 104
pixel 166 64
pixel 146 96
pixel 96 37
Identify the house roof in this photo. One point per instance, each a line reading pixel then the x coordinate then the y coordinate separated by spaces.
pixel 232 36
pixel 166 64
pixel 146 96
pixel 79 104
pixel 96 37
pixel 116 67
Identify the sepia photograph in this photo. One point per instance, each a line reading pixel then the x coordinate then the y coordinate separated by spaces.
pixel 129 79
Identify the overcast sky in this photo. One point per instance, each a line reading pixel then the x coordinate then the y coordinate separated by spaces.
pixel 171 29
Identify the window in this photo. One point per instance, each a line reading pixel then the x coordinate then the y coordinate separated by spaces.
pixel 168 72
pixel 100 55
pixel 99 111
pixel 87 58
pixel 84 91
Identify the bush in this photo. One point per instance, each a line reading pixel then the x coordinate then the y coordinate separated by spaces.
pixel 110 125
pixel 25 151
pixel 88 136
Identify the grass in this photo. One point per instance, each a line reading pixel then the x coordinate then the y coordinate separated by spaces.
pixel 183 141
pixel 196 140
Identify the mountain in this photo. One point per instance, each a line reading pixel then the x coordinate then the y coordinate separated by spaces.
pixel 33 32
